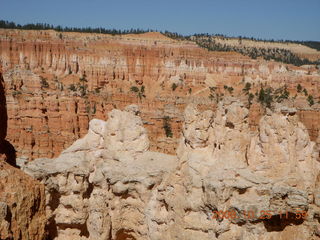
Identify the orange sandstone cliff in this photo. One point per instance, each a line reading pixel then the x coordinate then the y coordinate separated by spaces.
pixel 57 82
pixel 22 199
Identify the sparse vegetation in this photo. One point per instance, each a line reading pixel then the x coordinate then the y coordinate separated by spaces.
pixel 83 86
pixel 299 88
pixel 310 100
pixel 139 92
pixel 72 87
pixel 278 54
pixel 174 86
pixel 167 126
pixel 281 93
pixel 204 40
pixel 265 97
pixel 247 88
pixel 59 85
pixel 44 83
pixel 134 89
pixel 229 89
pixel 268 95
pixel 213 93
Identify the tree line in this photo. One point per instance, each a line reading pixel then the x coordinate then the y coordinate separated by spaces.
pixel 277 54
pixel 204 40
pixel 44 26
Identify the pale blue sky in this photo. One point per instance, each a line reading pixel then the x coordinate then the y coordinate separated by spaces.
pixel 277 19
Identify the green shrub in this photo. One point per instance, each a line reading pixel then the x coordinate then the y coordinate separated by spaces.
pixel 174 86
pixel 167 126
pixel 247 88
pixel 281 94
pixel 43 82
pixel 299 88
pixel 265 97
pixel 83 90
pixel 72 87
pixel 139 92
pixel 134 89
pixel 310 100
pixel 212 93
pixel 83 87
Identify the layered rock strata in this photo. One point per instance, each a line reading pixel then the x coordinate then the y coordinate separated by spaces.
pixel 57 82
pixel 22 199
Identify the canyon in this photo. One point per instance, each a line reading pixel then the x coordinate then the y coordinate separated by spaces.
pixel 41 67
pixel 22 199
pixel 141 136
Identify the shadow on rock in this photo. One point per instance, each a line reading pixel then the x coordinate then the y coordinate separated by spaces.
pixel 6 147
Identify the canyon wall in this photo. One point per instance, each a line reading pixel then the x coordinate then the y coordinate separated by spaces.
pixel 22 199
pixel 226 182
pixel 57 82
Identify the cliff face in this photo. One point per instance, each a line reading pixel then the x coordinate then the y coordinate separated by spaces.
pixel 58 82
pixel 22 199
pixel 3 111
pixel 226 182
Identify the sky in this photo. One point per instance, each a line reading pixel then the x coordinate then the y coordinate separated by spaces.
pixel 266 19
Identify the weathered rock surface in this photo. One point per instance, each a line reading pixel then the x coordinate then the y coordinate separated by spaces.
pixel 3 110
pixel 275 170
pixel 22 199
pixel 22 205
pixel 46 116
pixel 104 187
pixel 100 186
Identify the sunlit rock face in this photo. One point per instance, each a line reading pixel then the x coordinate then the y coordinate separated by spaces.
pixel 99 187
pixel 22 199
pixel 261 183
pixel 225 167
pixel 46 115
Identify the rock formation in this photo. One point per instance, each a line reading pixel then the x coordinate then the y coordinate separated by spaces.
pixel 235 171
pixel 99 187
pixel 108 185
pixel 22 199
pixel 57 82
pixel 238 171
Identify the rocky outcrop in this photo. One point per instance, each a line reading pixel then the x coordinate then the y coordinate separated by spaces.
pixel 275 171
pixel 3 111
pixel 22 205
pixel 227 181
pixel 47 113
pixel 99 187
pixel 22 199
